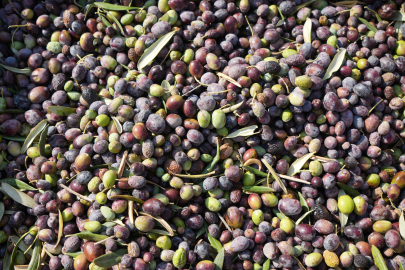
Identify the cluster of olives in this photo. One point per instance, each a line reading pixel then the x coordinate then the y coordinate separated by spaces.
pixel 159 165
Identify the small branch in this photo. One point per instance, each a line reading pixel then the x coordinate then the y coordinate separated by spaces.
pixel 104 240
pixel 131 212
pixel 76 193
pixel 193 176
pixel 122 165
pixel 226 224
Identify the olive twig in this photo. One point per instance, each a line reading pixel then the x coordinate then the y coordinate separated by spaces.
pixel 131 212
pixel 225 223
pixel 76 193
pixel 122 165
pixel 104 240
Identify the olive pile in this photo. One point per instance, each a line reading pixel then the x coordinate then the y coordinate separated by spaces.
pixel 205 135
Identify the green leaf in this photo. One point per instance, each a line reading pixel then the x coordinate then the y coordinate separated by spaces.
pixel 154 50
pixel 307 30
pixel 374 13
pixel 14 253
pixel 279 214
pixel 25 71
pixel 350 191
pixel 335 64
pixel 214 242
pixel 219 259
pixel 73 254
pixel 165 84
pixel 303 202
pixel 110 259
pixel 36 256
pixel 127 197
pixel 113 7
pixel 402 225
pixel 6 260
pixel 125 174
pixel 303 5
pixel 12 111
pixel 401 267
pixel 174 207
pixel 33 134
pixel 42 141
pixel 378 258
pixel 343 217
pixel 2 209
pixel 160 232
pixel 266 265
pixel 61 110
pixel 104 20
pixel 244 132
pixel 117 124
pixel 118 24
pixel 275 176
pixel 254 171
pixel 258 189
pixel 202 230
pixel 14 139
pixel 18 196
pixel 369 25
pixel 399 16
pixel 22 246
pixel 296 166
pixel 17 183
pixel 303 216
pixel 90 236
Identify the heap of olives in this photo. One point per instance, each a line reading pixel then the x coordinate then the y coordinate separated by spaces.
pixel 206 135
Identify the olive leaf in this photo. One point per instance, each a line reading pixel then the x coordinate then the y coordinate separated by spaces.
pixel 254 171
pixel 369 25
pixel 303 5
pixel 279 214
pixel 104 20
pixel 296 166
pixel 243 132
pixel 343 217
pixel 174 207
pixel 350 191
pixel 335 64
pixel 117 124
pixel 154 50
pixel 275 176
pixel 232 108
pixel 307 31
pixel 374 13
pixel 18 196
pixel 118 24
pixel 202 230
pixel 214 242
pixel 25 71
pixel 215 160
pixel 127 197
pixel 17 184
pixel 61 110
pixel 6 260
pixel 280 22
pixel 14 253
pixel 1 210
pixel 15 138
pixel 73 254
pixel 229 79
pixel 219 259
pixel 402 225
pixel 161 221
pixel 42 141
pixel 266 265
pixel 33 134
pixel 303 202
pixel 60 232
pixel 22 245
pixel 399 16
pixel 89 236
pixel 160 232
pixel 12 111
pixel 36 256
pixel 401 267
pixel 378 258
pixel 113 7
pixel 303 216
pixel 110 259
pixel 258 189
pixel 348 4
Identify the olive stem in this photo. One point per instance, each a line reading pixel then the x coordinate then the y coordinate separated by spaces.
pixel 43 257
pixel 152 183
pixel 131 212
pixel 225 223
pixel 104 240
pixel 76 193
pixel 374 106
pixel 166 56
pixel 193 176
pixel 251 30
pixel 229 79
pixel 16 11
pixel 191 90
pixel 122 165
